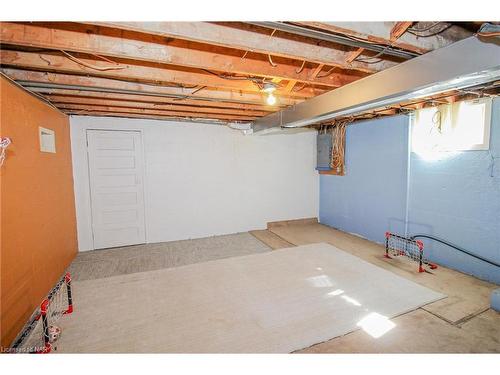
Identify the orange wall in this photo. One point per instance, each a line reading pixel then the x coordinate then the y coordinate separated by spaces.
pixel 38 225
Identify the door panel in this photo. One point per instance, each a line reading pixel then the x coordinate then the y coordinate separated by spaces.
pixel 116 187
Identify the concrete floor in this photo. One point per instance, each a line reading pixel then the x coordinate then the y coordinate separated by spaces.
pixel 460 323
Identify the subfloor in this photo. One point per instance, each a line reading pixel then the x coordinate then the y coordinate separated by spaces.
pixel 460 323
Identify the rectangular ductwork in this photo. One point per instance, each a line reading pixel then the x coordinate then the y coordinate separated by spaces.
pixel 467 63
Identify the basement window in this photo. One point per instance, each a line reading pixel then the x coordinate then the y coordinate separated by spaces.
pixel 459 126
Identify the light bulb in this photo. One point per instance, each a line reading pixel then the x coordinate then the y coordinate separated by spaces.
pixel 271 99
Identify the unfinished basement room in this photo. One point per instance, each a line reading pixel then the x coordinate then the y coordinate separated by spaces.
pixel 250 186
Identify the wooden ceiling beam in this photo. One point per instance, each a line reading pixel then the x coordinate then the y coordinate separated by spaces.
pixel 247 40
pixel 142 116
pixel 64 93
pixel 317 70
pixel 138 73
pixel 156 51
pixel 57 100
pixel 289 87
pixel 100 84
pixel 354 54
pixel 380 32
pixel 398 29
pixel 183 114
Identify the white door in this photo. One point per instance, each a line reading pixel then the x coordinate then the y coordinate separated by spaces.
pixel 116 187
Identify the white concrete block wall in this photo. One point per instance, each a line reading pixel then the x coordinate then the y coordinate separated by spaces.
pixel 204 180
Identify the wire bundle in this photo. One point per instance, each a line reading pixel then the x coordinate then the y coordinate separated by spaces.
pixel 420 32
pixel 337 160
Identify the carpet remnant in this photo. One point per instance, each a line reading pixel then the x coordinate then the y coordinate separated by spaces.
pixel 99 264
pixel 272 302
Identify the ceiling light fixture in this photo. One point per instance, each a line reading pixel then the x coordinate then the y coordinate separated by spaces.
pixel 269 87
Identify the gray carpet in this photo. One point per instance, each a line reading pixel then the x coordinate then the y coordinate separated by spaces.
pixel 97 264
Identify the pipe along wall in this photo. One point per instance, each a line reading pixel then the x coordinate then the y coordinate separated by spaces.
pixel 456 198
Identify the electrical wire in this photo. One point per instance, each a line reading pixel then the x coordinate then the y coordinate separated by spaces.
pixel 432 34
pixel 381 45
pixel 330 71
pixel 91 66
pixel 271 61
pixel 190 94
pixel 301 88
pixel 235 78
pixel 337 159
pixel 366 61
pixel 369 60
pixel 424 28
pixel 301 67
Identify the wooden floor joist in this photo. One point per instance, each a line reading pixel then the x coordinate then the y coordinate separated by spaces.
pixel 62 94
pixel 203 70
pixel 152 49
pixel 59 101
pixel 170 117
pixel 366 31
pixel 139 73
pixel 110 84
pixel 231 36
pixel 103 108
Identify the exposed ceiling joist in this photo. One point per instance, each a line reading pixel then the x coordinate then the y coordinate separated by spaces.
pixel 104 108
pixel 246 40
pixel 215 69
pixel 321 35
pixel 154 50
pixel 56 80
pixel 139 73
pixel 398 29
pixel 54 94
pixel 59 100
pixel 169 117
pixel 467 63
pixel 380 32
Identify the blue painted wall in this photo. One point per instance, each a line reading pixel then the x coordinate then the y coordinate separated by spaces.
pixel 371 198
pixel 456 198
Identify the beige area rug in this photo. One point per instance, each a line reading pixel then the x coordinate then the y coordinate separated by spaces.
pixel 275 302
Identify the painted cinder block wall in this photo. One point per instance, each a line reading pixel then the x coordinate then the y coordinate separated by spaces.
pixel 371 198
pixel 456 198
pixel 204 180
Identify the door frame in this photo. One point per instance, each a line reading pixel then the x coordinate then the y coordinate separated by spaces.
pixel 144 181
